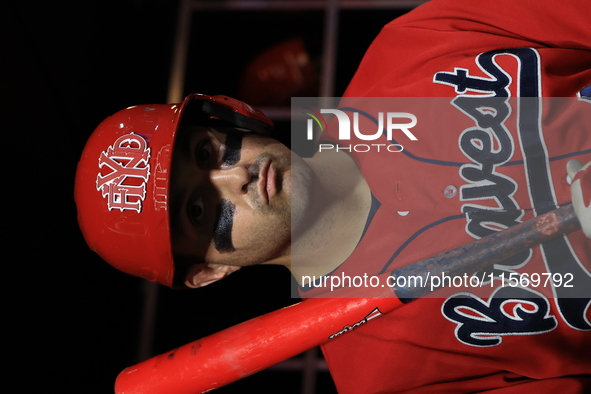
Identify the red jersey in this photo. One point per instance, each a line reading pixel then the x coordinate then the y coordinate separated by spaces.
pixel 465 183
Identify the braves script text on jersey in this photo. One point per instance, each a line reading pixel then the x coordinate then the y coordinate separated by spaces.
pixel 460 183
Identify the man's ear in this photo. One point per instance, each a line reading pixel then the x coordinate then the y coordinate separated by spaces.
pixel 200 275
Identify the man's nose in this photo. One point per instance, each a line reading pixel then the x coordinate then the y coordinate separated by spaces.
pixel 232 180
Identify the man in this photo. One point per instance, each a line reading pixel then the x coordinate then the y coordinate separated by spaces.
pixel 223 199
pixel 205 176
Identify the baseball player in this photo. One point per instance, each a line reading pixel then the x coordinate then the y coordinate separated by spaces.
pixel 187 194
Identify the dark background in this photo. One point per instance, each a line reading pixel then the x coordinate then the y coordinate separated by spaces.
pixel 74 322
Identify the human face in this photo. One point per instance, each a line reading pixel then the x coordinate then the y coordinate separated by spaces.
pixel 230 197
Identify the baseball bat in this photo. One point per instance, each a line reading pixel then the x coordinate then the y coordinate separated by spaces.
pixel 244 349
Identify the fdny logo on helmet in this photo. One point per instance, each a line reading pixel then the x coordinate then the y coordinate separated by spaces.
pixel 124 173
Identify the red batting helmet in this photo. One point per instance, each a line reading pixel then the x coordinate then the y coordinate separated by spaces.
pixel 123 178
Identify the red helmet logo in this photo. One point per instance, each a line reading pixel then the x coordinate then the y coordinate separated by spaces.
pixel 124 185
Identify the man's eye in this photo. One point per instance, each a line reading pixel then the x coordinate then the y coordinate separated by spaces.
pixel 204 153
pixel 196 211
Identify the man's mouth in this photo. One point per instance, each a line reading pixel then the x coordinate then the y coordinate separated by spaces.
pixel 266 184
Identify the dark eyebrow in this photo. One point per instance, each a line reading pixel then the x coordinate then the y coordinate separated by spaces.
pixel 222 235
pixel 233 146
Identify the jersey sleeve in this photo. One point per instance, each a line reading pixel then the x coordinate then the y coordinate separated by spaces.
pixel 441 34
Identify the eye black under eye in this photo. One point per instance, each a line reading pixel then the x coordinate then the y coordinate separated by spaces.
pixel 233 146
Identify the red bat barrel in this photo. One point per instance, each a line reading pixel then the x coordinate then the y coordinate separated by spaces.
pixel 239 351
